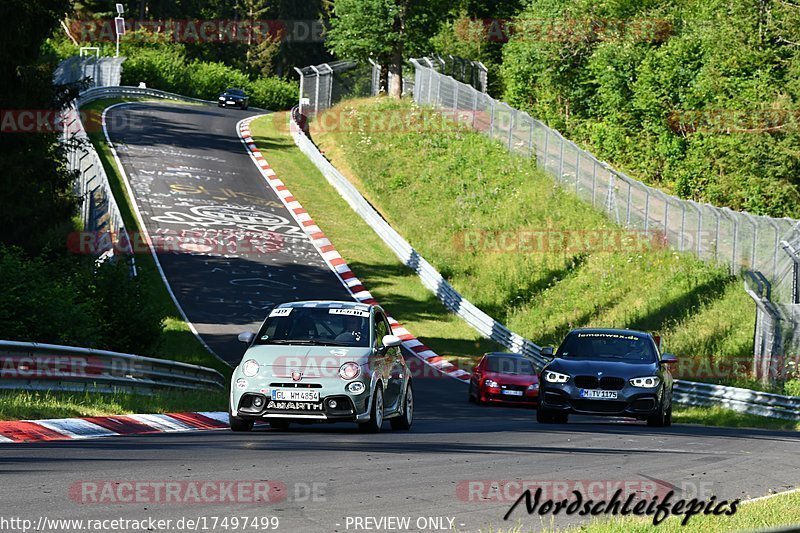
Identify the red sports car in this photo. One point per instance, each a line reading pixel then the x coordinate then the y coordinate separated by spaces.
pixel 507 378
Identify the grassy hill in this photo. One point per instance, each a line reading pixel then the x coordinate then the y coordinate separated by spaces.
pixel 467 205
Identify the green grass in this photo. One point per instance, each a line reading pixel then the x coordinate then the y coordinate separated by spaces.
pixel 718 416
pixel 34 405
pixel 395 286
pixel 433 184
pixel 779 510
pixel 177 341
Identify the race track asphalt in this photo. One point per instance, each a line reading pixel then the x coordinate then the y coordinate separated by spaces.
pixel 187 166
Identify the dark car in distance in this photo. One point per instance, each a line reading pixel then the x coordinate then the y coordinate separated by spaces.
pixel 233 97
pixel 504 378
pixel 606 372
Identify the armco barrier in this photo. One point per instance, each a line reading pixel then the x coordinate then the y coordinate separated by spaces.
pixel 686 392
pixel 34 366
pixel 742 400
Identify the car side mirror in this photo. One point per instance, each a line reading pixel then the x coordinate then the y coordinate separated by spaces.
pixel 547 351
pixel 390 341
pixel 246 337
pixel 668 358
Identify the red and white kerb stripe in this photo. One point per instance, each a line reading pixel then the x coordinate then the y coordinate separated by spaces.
pixel 336 262
pixel 107 426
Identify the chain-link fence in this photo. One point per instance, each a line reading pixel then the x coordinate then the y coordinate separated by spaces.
pixel 322 86
pixel 102 71
pixel 739 240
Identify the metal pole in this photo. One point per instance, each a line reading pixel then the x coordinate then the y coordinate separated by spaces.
pixel 561 161
pixel 300 98
pixel 546 145
pixel 683 226
pixel 491 120
pixel 511 130
pixel 646 210
pixel 530 140
pixel 316 90
pixel 628 207
pixel 594 182
pixel 577 167
pixel 474 106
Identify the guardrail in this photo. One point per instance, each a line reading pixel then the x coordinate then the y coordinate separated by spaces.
pixel 737 399
pixel 687 392
pixel 35 366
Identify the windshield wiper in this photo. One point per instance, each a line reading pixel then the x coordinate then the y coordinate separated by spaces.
pixel 307 342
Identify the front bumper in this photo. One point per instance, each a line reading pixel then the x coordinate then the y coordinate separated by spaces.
pixel 635 402
pixel 497 395
pixel 254 402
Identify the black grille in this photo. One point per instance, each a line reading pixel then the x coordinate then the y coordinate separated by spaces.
pixel 611 383
pixel 586 382
pixel 514 387
pixel 598 406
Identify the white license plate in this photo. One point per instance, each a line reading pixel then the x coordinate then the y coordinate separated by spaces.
pixel 231 102
pixel 292 395
pixel 513 392
pixel 599 394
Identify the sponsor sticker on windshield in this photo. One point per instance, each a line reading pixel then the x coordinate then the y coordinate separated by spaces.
pixel 609 336
pixel 350 312
pixel 280 311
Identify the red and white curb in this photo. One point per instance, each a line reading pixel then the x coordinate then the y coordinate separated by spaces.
pixel 109 426
pixel 336 262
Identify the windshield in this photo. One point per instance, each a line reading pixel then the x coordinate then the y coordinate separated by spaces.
pixel 316 326
pixel 610 346
pixel 509 365
pixel 236 92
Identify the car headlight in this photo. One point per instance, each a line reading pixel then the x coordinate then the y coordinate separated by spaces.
pixel 250 368
pixel 647 382
pixel 349 371
pixel 222 98
pixel 533 386
pixel 555 377
pixel 491 383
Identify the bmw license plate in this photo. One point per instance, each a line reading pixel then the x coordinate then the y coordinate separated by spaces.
pixel 513 392
pixel 231 102
pixel 599 394
pixel 294 395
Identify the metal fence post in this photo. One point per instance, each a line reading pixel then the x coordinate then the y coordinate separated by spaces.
pixel 594 182
pixel 511 131
pixel 577 167
pixel 646 211
pixel 530 140
pixel 491 120
pixel 474 106
pixel 561 161
pixel 683 227
pixel 316 90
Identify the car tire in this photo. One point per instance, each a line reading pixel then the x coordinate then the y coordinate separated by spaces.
pixel 470 397
pixel 544 416
pixel 403 423
pixel 239 425
pixel 375 414
pixel 662 418
pixel 279 424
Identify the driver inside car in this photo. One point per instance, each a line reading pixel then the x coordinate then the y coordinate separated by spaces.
pixel 352 330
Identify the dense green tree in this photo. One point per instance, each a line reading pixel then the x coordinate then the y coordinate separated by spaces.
pixel 386 31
